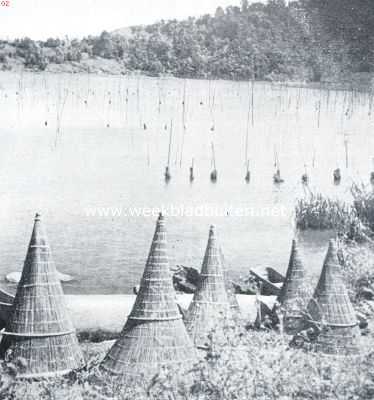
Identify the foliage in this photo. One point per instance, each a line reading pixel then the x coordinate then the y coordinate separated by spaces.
pixel 301 40
pixel 357 260
pixel 364 204
pixel 349 28
pixel 319 212
pixel 256 365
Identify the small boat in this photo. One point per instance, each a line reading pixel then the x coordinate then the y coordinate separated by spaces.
pixel 337 176
pixel 15 277
pixel 270 280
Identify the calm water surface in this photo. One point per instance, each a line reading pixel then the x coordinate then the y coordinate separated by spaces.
pixel 105 146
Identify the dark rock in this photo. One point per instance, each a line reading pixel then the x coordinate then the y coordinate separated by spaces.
pixel 362 321
pixel 366 293
pixel 185 279
pixel 244 288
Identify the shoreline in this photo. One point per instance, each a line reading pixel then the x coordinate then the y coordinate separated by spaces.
pixel 357 82
pixel 108 313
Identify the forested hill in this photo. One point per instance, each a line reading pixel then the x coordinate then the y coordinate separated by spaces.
pixel 308 40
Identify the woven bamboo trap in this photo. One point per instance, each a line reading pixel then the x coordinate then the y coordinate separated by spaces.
pixel 210 309
pixel 154 334
pixel 294 296
pixel 331 309
pixel 39 329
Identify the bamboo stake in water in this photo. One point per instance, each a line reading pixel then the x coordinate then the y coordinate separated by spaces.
pixel 192 177
pixel 247 134
pixel 346 151
pixel 183 122
pixel 60 110
pixel 170 138
pixel 167 169
pixel 213 157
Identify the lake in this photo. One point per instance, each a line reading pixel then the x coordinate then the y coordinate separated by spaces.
pixel 77 145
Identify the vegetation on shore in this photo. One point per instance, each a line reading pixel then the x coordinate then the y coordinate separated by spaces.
pixel 300 40
pixel 351 221
pixel 258 365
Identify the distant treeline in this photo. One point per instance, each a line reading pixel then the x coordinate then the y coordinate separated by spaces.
pixel 309 40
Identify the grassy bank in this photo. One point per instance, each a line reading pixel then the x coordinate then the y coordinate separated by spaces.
pixel 258 365
pixel 352 221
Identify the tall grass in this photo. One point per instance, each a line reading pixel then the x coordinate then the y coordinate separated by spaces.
pixel 319 212
pixel 364 204
pixel 254 365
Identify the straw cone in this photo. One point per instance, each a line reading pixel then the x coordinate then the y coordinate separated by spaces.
pixel 230 289
pixel 39 329
pixel 293 296
pixel 154 334
pixel 210 308
pixel 332 309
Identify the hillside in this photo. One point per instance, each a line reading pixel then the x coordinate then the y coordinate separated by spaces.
pixel 303 40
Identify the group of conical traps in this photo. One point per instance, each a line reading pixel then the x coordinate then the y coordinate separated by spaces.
pixel 40 331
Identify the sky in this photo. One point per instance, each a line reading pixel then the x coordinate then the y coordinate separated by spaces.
pixel 40 19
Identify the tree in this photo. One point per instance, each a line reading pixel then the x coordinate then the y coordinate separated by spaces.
pixel 103 46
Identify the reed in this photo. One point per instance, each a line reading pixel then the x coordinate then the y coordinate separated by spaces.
pixel 318 212
pixel 364 204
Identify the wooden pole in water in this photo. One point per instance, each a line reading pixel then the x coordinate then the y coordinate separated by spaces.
pixel 252 93
pixel 248 174
pixel 214 156
pixel 246 145
pixel 167 169
pixel 250 112
pixel 170 137
pixel 183 121
pixel 346 151
pixel 192 177
pixel 213 174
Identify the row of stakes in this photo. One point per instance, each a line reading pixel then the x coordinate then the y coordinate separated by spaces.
pixel 277 178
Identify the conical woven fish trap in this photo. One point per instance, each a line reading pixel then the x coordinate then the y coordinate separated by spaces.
pixel 332 309
pixel 294 296
pixel 39 329
pixel 210 309
pixel 154 334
